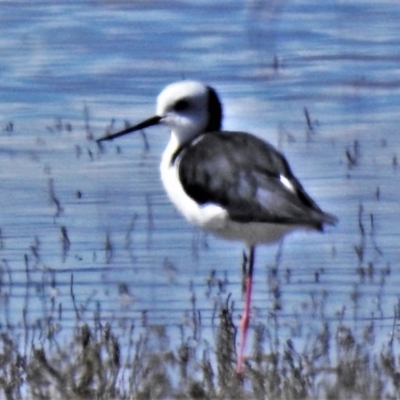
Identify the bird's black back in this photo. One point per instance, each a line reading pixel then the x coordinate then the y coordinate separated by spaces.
pixel 242 173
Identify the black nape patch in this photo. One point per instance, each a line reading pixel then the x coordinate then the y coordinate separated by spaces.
pixel 214 111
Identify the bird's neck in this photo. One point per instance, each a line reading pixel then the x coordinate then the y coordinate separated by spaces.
pixel 175 147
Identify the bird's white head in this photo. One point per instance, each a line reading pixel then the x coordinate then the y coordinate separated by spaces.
pixel 189 108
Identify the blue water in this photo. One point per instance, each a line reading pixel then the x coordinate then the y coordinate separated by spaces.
pixel 70 72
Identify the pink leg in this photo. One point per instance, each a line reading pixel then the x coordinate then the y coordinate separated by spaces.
pixel 244 323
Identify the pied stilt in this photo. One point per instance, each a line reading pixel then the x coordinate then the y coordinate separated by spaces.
pixel 230 183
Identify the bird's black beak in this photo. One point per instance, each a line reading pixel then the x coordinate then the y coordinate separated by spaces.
pixel 145 124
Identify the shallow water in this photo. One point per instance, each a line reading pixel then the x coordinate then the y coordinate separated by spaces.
pixel 69 210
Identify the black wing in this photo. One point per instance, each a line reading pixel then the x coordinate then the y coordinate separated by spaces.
pixel 249 178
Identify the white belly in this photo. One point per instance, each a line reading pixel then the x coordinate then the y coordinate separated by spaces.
pixel 212 217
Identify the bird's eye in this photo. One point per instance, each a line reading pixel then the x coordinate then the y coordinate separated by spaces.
pixel 181 105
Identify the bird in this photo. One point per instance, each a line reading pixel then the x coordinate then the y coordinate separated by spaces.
pixel 231 183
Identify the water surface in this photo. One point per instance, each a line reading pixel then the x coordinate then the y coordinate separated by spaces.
pixel 70 211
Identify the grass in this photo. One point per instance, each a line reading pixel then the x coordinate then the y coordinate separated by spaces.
pixel 96 362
